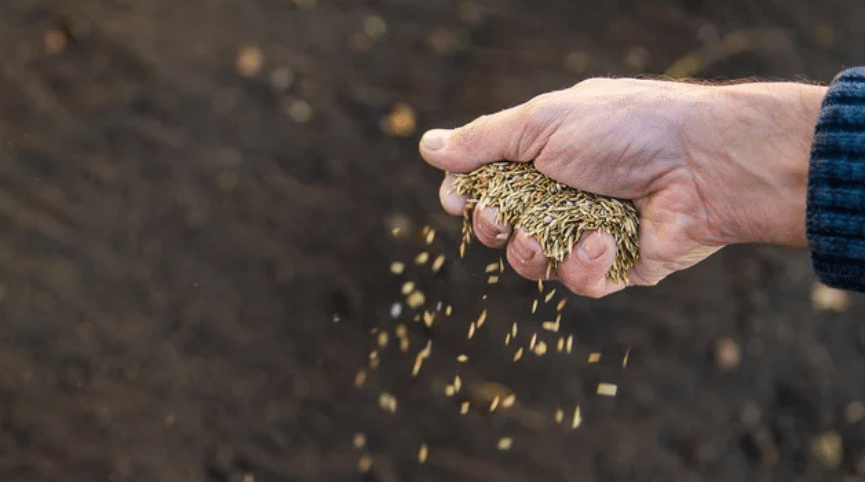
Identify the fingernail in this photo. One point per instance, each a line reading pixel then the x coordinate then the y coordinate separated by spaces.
pixel 433 140
pixel 522 249
pixel 592 247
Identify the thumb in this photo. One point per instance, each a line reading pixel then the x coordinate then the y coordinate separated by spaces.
pixel 506 135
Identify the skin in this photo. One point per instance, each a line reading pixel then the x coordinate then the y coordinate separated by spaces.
pixel 706 166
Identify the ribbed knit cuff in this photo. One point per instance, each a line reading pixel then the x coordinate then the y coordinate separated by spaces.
pixel 836 184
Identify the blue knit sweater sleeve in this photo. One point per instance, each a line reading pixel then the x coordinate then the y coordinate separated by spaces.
pixel 836 185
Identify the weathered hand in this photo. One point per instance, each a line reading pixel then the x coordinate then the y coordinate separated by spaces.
pixel 705 165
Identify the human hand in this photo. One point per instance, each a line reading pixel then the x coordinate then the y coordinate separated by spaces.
pixel 705 165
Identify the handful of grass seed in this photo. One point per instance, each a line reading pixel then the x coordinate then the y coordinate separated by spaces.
pixel 555 214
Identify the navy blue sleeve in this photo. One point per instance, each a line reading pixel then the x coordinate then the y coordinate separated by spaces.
pixel 836 185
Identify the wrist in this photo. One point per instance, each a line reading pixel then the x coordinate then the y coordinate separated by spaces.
pixel 751 159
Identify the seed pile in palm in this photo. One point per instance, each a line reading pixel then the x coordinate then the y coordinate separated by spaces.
pixel 556 214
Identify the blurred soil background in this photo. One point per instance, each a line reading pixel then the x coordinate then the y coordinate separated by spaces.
pixel 196 201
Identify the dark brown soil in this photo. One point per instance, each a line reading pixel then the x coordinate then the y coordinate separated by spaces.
pixel 175 248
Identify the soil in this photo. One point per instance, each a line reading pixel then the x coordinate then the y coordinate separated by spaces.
pixel 195 253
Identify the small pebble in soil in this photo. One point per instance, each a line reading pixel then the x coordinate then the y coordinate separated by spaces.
pixel 55 42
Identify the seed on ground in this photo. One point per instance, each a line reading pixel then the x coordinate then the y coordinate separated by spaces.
pixel 359 440
pixel 421 258
pixel 505 443
pixel 462 358
pixel 397 267
pixel 365 463
pixel 422 453
pixel 492 267
pixel 607 389
pixel 594 357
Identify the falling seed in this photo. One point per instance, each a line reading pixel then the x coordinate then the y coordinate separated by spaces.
pixel 509 401
pixel 514 329
pixel 507 339
pixel 560 345
pixel 549 296
pixel 541 348
pixel 462 358
pixel 492 280
pixel 501 265
pixel 430 236
pixel 382 339
pixel 397 267
pixel 249 60
pixel 365 463
pixel 492 267
pixel 421 258
pixel 418 361
pixel 387 402
pixel 560 415
pixel 448 310
pixel 359 440
pixel 422 453
pixel 518 354
pixel 458 383
pixel 402 122
pixel 471 330
pixel 570 343
pixel 415 299
pixel 625 358
pixel 482 318
pixel 484 297
pixel 594 357
pixel 438 263
pixel 540 286
pixel 561 304
pixel 407 287
pixel 505 443
pixel 578 419
pixel 494 404
pixel 534 306
pixel 607 389
pixel 464 408
pixel 360 378
pixel 533 341
pixel 395 310
pixel 428 318
pixel 462 250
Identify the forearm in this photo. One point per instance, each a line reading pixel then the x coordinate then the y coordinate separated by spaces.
pixel 761 140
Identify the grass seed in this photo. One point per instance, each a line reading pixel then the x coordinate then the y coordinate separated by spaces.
pixel 555 214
